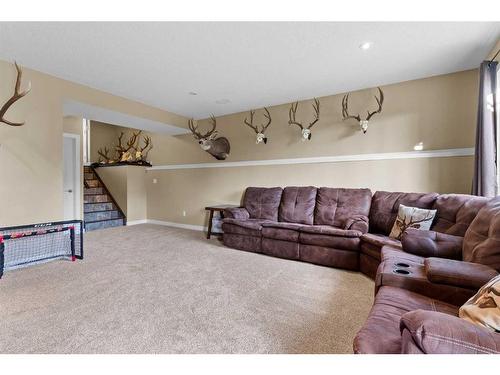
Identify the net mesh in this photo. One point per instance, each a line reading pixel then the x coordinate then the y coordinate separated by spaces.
pixel 39 243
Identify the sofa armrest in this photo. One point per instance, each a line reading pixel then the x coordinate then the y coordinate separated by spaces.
pixel 427 243
pixel 357 222
pixel 239 213
pixel 458 273
pixel 438 333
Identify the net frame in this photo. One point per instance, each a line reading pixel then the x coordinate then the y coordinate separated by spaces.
pixel 74 227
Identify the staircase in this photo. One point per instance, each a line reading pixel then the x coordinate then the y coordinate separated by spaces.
pixel 99 208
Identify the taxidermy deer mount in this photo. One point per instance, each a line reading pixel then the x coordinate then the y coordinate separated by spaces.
pixel 17 95
pixel 261 136
pixel 306 132
pixel 363 124
pixel 132 152
pixel 218 147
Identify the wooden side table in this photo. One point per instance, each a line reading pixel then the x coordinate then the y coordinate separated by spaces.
pixel 217 208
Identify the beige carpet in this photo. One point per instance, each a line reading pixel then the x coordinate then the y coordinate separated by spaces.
pixel 153 289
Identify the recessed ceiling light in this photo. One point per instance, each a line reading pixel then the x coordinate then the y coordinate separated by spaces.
pixel 192 93
pixel 223 101
pixel 364 46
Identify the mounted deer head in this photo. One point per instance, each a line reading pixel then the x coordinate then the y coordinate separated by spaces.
pixel 363 124
pixel 17 95
pixel 218 147
pixel 306 132
pixel 261 137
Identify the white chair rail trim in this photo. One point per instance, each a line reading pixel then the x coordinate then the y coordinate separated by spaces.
pixel 452 152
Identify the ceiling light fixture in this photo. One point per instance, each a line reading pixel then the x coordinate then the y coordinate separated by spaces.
pixel 364 46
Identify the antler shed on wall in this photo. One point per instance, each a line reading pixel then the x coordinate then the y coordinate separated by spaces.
pixel 18 94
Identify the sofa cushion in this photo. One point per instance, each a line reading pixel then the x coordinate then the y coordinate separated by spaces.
pixel 433 332
pixel 330 231
pixel 455 212
pixel 342 207
pixel 263 203
pixel 482 239
pixel 380 240
pixel 381 333
pixel 328 240
pixel 250 227
pixel 297 204
pixel 385 205
pixel 281 231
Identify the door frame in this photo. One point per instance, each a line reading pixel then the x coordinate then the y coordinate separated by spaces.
pixel 78 175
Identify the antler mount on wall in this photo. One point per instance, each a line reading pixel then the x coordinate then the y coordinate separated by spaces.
pixel 363 123
pixel 18 94
pixel 260 132
pixel 306 131
pixel 131 153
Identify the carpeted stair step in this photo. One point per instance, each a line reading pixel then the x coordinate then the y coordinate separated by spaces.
pixel 97 190
pixel 92 207
pixel 102 215
pixel 92 183
pixel 93 225
pixel 89 176
pixel 96 198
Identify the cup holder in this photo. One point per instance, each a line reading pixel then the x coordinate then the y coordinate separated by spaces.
pixel 404 265
pixel 401 272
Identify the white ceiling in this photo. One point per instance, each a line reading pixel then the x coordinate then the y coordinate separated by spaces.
pixel 251 64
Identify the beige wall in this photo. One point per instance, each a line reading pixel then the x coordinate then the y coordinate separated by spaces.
pixel 127 184
pixel 438 111
pixel 115 179
pixel 31 155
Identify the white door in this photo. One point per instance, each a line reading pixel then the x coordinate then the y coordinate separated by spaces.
pixel 71 177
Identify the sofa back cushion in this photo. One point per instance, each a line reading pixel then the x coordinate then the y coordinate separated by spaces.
pixel 297 204
pixel 337 207
pixel 262 203
pixel 482 239
pixel 455 212
pixel 385 205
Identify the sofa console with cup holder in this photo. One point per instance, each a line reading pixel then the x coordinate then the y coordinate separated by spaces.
pixel 417 298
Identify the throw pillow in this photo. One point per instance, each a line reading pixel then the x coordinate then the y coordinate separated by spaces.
pixel 484 307
pixel 411 217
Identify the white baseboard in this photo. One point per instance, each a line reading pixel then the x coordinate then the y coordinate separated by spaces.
pixel 135 222
pixel 178 225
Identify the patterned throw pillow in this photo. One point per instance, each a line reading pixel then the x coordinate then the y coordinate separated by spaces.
pixel 484 307
pixel 411 217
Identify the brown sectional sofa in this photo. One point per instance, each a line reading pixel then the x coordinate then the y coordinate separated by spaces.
pixel 421 281
pixel 344 228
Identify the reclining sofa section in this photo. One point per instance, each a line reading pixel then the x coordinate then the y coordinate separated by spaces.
pixel 322 226
pixel 344 228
